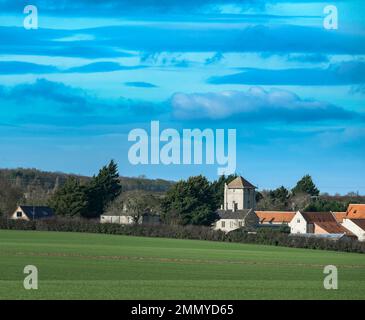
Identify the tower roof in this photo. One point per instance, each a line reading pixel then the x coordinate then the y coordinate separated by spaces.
pixel 240 183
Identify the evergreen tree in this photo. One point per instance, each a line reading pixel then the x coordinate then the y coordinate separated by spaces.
pixel 306 185
pixel 70 199
pixel 103 189
pixel 190 202
pixel 279 198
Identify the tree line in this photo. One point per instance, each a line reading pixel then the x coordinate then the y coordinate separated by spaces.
pixel 193 201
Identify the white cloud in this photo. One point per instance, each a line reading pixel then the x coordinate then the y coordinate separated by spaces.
pixel 254 104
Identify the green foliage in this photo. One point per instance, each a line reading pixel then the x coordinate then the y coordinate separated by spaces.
pixel 281 194
pixel 321 205
pixel 190 202
pixel 71 199
pixel 103 189
pixel 268 236
pixel 91 199
pixel 10 196
pixel 280 198
pixel 306 185
pixel 258 196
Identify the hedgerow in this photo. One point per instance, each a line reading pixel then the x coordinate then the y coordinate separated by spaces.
pixel 265 237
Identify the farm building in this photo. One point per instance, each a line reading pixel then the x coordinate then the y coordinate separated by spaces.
pixel 32 213
pixel 275 218
pixel 356 226
pixel 355 211
pixel 317 223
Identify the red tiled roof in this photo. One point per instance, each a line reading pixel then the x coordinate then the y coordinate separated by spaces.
pixel 275 216
pixel 356 211
pixel 339 216
pixel 333 227
pixel 314 217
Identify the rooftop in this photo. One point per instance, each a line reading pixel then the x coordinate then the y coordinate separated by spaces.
pixel 37 212
pixel 356 211
pixel 240 183
pixel 275 216
pixel 229 214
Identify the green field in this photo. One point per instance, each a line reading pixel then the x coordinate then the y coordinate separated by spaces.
pixel 97 266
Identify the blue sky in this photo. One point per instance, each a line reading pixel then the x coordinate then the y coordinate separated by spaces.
pixel 71 91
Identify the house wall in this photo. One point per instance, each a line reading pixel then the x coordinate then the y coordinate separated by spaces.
pixel 274 223
pixel 116 219
pixel 234 196
pixel 228 225
pixel 354 228
pixel 249 198
pixel 122 219
pixel 319 230
pixel 15 217
pixel 298 224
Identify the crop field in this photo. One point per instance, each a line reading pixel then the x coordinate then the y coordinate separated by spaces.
pixel 97 266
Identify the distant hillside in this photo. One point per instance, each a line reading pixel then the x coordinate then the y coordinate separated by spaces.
pixel 32 186
pixel 25 178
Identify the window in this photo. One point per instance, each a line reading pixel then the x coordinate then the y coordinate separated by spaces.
pixel 223 224
pixel 298 220
pixel 19 214
pixel 240 224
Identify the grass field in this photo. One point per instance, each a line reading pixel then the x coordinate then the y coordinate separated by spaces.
pixel 96 266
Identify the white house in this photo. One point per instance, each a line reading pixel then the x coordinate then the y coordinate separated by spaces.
pixel 317 223
pixel 356 226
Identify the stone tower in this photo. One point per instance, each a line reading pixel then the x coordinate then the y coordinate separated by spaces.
pixel 239 194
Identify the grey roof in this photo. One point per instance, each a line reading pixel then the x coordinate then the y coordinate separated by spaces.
pixel 240 183
pixel 38 212
pixel 229 214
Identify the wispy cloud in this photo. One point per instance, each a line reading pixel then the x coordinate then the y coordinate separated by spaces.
pixel 19 67
pixel 345 73
pixel 256 104
pixel 140 84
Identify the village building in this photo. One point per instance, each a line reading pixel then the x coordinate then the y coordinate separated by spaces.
pixel 127 218
pixel 239 194
pixel 274 218
pixel 238 207
pixel 339 216
pixel 317 223
pixel 230 220
pixel 356 226
pixel 355 211
pixel 32 213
